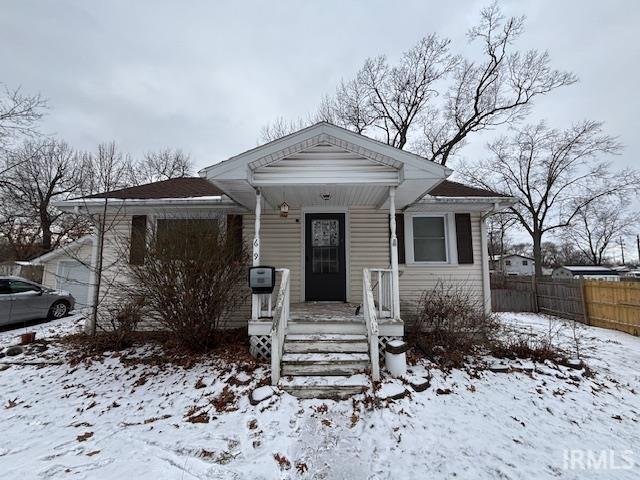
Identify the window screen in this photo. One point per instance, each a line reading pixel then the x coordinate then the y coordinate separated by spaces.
pixel 429 239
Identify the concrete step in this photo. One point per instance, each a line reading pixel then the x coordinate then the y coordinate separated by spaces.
pixel 326 346
pixel 309 358
pixel 298 327
pixel 329 387
pixel 325 392
pixel 325 337
pixel 325 368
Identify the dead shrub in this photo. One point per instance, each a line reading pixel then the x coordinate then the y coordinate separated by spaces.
pixel 451 323
pixel 192 277
pixel 527 347
pixel 121 323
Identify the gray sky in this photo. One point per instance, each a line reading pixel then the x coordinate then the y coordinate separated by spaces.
pixel 205 76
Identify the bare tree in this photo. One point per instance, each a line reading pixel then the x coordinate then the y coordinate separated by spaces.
pixel 496 91
pixel 108 171
pixel 554 174
pixel 397 95
pixel 19 114
pixel 399 103
pixel 161 165
pixel 498 227
pixel 281 127
pixel 598 224
pixel 562 253
pixel 37 174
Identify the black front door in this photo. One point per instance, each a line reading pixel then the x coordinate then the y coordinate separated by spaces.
pixel 325 270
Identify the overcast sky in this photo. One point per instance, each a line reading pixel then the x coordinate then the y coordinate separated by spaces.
pixel 205 76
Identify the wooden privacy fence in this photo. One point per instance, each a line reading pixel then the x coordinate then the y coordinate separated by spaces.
pixel 614 305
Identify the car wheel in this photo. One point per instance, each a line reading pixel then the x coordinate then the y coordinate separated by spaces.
pixel 58 310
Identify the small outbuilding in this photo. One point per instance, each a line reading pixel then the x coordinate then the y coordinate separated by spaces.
pixel 69 268
pixel 591 272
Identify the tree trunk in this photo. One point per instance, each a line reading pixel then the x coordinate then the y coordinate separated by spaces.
pixel 537 251
pixel 46 233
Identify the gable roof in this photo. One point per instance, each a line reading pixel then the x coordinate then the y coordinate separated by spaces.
pixel 339 136
pixel 507 255
pixel 64 249
pixel 193 187
pixel 183 187
pixel 454 189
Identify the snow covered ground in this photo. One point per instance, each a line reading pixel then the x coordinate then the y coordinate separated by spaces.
pixel 115 418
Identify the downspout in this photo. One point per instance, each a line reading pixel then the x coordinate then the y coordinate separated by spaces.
pixel 486 283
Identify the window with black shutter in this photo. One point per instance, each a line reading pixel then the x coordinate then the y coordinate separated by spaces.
pixel 137 244
pixel 464 238
pixel 234 233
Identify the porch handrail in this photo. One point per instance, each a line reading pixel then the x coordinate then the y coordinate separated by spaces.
pixel 371 319
pixel 279 326
pixel 384 290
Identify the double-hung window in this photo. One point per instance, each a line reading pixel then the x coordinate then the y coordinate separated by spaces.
pixel 429 238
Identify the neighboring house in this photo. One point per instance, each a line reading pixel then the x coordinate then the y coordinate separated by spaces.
pixel 513 264
pixel 591 272
pixel 354 205
pixel 69 268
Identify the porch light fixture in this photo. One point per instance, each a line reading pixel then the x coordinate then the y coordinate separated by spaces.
pixel 284 209
pixel 325 196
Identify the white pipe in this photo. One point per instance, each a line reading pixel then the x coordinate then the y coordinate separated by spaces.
pixel 256 300
pixel 395 276
pixel 486 282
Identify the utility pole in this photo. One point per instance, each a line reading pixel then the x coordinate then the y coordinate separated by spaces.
pixel 622 248
pixel 638 244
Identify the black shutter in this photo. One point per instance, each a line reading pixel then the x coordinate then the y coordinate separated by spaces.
pixel 464 239
pixel 234 233
pixel 399 236
pixel 137 245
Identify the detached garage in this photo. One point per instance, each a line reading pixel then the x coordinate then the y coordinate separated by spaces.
pixel 68 268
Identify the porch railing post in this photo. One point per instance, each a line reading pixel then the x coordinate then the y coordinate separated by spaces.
pixel 395 275
pixel 256 300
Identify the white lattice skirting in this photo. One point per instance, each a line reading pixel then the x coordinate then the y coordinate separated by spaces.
pixel 260 346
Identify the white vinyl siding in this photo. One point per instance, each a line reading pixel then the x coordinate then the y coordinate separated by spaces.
pixel 367 246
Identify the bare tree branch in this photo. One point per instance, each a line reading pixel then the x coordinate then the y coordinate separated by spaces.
pixel 554 174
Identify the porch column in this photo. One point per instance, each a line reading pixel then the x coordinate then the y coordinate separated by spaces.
pixel 255 299
pixel 395 275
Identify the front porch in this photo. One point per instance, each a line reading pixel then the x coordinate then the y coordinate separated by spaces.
pixel 310 318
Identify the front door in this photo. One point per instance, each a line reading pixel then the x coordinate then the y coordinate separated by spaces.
pixel 325 269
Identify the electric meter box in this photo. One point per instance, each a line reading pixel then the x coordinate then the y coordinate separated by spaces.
pixel 262 279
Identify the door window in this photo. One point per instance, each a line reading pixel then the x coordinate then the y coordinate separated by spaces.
pixel 325 242
pixel 4 287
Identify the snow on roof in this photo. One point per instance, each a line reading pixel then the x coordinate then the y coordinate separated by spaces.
pixel 590 269
pixel 507 255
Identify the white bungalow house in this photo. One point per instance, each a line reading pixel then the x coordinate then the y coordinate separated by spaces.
pixel 366 224
pixel 513 264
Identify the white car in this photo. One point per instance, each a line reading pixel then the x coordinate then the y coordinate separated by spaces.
pixel 22 300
